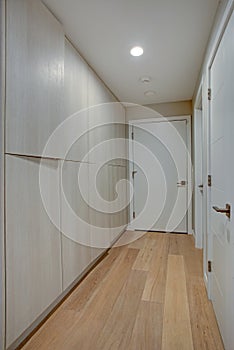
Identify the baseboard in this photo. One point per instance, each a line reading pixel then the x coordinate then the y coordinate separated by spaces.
pixel 130 228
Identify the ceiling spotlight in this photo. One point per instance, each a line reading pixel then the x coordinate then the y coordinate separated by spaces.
pixel 145 80
pixel 137 51
pixel 149 93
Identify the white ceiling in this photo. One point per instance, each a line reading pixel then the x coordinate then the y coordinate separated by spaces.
pixel 173 33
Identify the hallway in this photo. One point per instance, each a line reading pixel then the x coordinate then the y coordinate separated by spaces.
pixel 148 294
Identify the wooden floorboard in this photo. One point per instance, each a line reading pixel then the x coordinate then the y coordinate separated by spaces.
pixel 145 256
pixel 177 333
pixel 147 331
pixel 118 329
pixel 145 295
pixel 156 278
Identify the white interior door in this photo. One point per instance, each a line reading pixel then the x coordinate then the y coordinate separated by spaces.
pixel 222 190
pixel 160 176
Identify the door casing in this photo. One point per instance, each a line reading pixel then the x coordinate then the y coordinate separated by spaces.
pixel 133 123
pixel 204 84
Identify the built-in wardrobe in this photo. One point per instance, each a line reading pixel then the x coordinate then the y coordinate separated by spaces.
pixel 47 81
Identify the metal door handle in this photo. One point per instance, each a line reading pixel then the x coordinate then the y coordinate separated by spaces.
pixel 226 211
pixel 200 186
pixel 182 183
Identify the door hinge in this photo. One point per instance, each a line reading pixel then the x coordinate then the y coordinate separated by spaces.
pixel 133 173
pixel 209 181
pixel 134 215
pixel 132 134
pixel 209 94
pixel 209 266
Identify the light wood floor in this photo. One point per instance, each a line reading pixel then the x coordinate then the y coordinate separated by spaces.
pixel 147 295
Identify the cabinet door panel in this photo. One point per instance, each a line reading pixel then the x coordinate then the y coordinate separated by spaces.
pixel 100 114
pixel 97 91
pixel 99 218
pixel 106 123
pixel 76 99
pixel 35 73
pixel 118 219
pixel 118 134
pixel 33 243
pixel 74 221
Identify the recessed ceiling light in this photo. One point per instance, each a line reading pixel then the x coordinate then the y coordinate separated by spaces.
pixel 149 93
pixel 137 51
pixel 145 80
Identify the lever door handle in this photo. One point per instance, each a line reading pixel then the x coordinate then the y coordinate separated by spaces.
pixel 182 183
pixel 200 186
pixel 226 211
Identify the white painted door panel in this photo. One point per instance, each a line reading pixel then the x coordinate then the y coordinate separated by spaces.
pixel 33 244
pixel 35 73
pixel 222 192
pixel 165 164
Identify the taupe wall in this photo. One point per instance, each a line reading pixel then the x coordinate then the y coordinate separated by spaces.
pixel 173 108
pixel 2 142
pixel 136 112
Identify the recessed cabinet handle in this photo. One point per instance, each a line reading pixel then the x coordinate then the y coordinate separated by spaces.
pixel 226 211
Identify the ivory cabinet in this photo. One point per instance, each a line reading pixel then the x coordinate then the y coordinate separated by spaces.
pixel 33 243
pixel 76 250
pixel 119 217
pixel 118 134
pixel 76 101
pixel 49 244
pixel 99 218
pixel 106 123
pixel 35 76
pixel 100 116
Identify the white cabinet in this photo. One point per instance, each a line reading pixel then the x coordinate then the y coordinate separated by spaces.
pixel 76 101
pixel 75 80
pixel 117 192
pixel 76 250
pixel 100 116
pixel 47 82
pixel 99 218
pixel 97 91
pixel 33 243
pixel 106 123
pixel 35 73
pixel 118 135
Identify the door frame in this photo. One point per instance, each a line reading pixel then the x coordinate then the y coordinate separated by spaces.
pixel 205 81
pixel 135 122
pixel 2 170
pixel 198 159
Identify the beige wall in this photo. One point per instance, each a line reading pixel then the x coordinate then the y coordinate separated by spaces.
pixel 136 112
pixel 173 108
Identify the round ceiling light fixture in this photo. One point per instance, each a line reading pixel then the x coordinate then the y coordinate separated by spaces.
pixel 136 51
pixel 145 80
pixel 149 93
